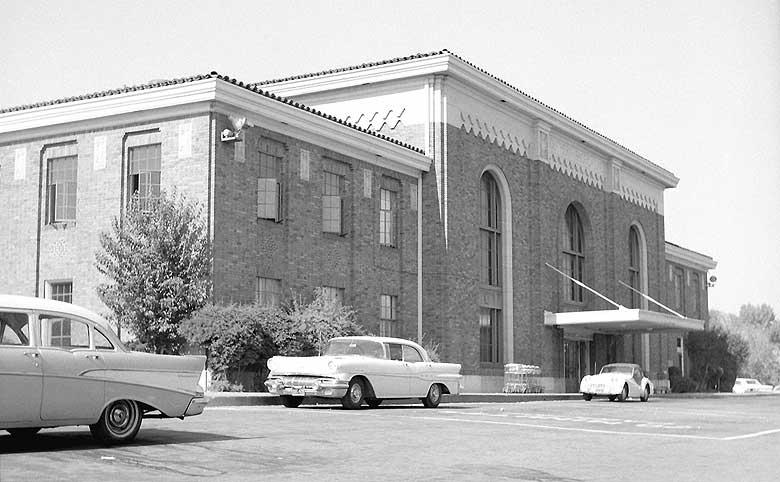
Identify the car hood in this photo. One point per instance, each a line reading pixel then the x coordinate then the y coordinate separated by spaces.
pixel 325 365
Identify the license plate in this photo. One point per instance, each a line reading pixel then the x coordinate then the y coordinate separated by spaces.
pixel 297 390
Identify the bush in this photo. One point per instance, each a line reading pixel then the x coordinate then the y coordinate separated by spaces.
pixel 715 356
pixel 237 341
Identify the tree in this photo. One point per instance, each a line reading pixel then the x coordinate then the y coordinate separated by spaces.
pixel 307 327
pixel 157 258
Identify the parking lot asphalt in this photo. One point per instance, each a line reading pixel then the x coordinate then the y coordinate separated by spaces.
pixel 667 438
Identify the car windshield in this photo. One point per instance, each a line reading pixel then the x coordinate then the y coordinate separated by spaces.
pixel 617 369
pixel 355 347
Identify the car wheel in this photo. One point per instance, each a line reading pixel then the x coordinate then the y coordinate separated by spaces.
pixel 433 398
pixel 119 422
pixel 587 397
pixel 354 396
pixel 646 395
pixel 23 433
pixel 623 394
pixel 373 402
pixel 291 402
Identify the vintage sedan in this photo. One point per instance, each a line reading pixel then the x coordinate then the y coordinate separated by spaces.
pixel 750 385
pixel 63 365
pixel 363 368
pixel 618 381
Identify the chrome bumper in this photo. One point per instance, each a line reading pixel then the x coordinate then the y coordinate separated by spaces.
pixel 317 388
pixel 196 406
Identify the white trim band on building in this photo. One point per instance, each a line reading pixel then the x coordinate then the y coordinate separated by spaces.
pixel 622 321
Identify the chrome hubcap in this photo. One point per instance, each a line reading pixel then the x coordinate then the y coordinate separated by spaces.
pixel 356 393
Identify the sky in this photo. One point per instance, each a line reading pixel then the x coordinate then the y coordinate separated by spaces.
pixel 693 86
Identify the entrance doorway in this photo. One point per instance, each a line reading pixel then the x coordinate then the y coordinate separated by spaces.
pixel 576 355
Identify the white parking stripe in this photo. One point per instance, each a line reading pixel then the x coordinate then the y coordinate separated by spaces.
pixel 752 435
pixel 570 429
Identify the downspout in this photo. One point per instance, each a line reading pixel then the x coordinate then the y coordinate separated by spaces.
pixel 38 228
pixel 419 260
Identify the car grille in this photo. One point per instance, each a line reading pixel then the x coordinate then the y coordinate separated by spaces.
pixel 307 382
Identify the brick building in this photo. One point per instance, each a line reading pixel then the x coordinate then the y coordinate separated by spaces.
pixel 431 196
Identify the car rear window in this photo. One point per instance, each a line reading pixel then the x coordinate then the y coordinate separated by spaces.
pixel 14 329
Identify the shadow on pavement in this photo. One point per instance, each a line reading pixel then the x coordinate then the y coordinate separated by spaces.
pixel 394 406
pixel 52 441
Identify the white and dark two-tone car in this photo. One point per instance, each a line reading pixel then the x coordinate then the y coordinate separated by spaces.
pixel 63 365
pixel 359 369
pixel 618 381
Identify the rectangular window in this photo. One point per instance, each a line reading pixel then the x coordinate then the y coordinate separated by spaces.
pixel 269 181
pixel 144 175
pixel 333 203
pixel 388 322
pixel 61 291
pixel 679 289
pixel 61 189
pixel 268 291
pixel 489 331
pixel 696 282
pixel 334 293
pixel 388 217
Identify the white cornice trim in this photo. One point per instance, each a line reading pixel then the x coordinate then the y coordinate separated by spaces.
pixel 446 63
pixel 198 96
pixel 691 259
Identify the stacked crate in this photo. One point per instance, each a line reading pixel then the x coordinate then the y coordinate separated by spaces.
pixel 519 378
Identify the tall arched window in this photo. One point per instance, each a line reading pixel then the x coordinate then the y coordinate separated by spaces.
pixel 490 318
pixel 634 267
pixel 490 230
pixel 574 254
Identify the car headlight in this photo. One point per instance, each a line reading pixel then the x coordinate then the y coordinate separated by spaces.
pixel 271 363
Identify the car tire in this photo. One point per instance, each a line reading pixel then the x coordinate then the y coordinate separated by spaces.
pixel 587 397
pixel 623 394
pixel 119 422
pixel 373 402
pixel 645 395
pixel 291 402
pixel 23 433
pixel 354 396
pixel 433 398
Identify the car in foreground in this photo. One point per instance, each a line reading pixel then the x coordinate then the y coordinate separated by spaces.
pixel 61 364
pixel 750 385
pixel 357 369
pixel 617 381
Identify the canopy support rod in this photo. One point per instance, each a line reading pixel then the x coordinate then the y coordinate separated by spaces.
pixel 649 298
pixel 580 283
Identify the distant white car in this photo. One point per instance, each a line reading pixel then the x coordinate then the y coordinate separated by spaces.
pixel 618 381
pixel 363 368
pixel 750 385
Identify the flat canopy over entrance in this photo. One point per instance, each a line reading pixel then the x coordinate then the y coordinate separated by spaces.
pixel 620 321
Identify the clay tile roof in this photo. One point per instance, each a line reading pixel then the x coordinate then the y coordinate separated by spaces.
pixel 213 75
pixel 448 52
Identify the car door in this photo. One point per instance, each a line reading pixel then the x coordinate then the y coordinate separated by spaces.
pixel 73 386
pixel 392 377
pixel 21 375
pixel 420 372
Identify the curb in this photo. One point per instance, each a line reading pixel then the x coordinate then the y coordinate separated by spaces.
pixel 241 399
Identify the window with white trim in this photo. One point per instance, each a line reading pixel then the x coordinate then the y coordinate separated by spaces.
pixel 574 254
pixel 268 291
pixel 388 321
pixel 388 217
pixel 489 335
pixel 269 180
pixel 634 267
pixel 490 230
pixel 61 291
pixel 61 182
pixel 144 173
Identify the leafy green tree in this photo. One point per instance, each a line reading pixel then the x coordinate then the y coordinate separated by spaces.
pixel 157 260
pixel 307 327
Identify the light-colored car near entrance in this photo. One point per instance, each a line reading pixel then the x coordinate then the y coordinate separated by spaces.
pixel 750 385
pixel 62 365
pixel 618 381
pixel 363 368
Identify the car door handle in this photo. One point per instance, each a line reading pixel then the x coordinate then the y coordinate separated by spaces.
pixel 32 354
pixel 94 357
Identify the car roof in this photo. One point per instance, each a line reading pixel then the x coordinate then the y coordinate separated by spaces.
pixel 17 302
pixel 380 339
pixel 632 365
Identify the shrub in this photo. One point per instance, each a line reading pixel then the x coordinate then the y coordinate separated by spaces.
pixel 236 339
